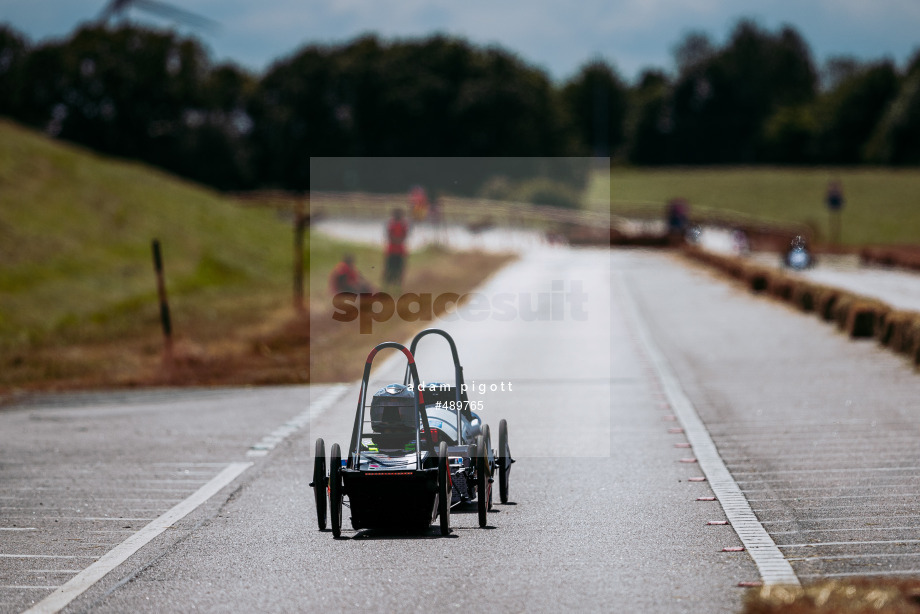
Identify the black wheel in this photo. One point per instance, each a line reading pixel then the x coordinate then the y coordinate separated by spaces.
pixel 504 461
pixel 490 459
pixel 335 490
pixel 482 480
pixel 319 483
pixel 444 488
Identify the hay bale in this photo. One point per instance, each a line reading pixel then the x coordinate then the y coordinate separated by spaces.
pixel 863 316
pixel 910 340
pixel 804 295
pixel 757 278
pixel 841 310
pixel 826 301
pixel 781 286
pixel 896 333
pixel 851 596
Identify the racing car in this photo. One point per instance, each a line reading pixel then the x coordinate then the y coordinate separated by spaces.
pixel 450 413
pixel 421 452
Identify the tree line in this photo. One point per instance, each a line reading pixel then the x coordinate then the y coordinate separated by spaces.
pixel 156 96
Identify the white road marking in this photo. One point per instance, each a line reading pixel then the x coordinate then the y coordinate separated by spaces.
pixel 772 565
pixel 850 543
pixel 22 587
pixel 268 443
pixel 856 529
pixel 844 470
pixel 904 572
pixel 855 517
pixel 18 529
pixel 46 556
pixel 835 497
pixel 834 557
pixel 66 593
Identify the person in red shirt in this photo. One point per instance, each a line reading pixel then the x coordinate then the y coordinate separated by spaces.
pixel 395 264
pixel 346 278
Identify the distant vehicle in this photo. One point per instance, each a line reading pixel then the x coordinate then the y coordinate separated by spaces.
pixel 798 257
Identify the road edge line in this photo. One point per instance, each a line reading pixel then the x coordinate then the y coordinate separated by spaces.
pixel 77 585
pixel 772 565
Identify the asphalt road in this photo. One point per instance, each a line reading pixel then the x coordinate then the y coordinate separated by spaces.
pixel 819 431
pixel 602 516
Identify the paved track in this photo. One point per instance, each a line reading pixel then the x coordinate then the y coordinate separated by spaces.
pixel 819 431
pixel 603 514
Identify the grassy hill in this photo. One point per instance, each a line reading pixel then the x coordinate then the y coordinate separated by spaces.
pixel 75 234
pixel 78 301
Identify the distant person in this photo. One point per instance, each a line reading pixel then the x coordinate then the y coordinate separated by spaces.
pixel 418 201
pixel 834 196
pixel 395 263
pixel 346 278
pixel 740 243
pixel 436 208
pixel 677 218
pixel 835 202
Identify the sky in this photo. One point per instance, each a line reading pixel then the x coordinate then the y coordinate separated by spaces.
pixel 558 37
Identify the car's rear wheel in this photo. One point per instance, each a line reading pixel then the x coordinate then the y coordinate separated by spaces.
pixel 335 490
pixel 504 461
pixel 319 483
pixel 482 480
pixel 444 488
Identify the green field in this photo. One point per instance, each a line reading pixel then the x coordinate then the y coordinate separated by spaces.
pixel 882 205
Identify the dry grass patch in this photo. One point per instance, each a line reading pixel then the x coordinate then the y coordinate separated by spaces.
pixel 856 596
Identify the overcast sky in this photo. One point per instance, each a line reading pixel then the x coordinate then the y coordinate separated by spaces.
pixel 558 37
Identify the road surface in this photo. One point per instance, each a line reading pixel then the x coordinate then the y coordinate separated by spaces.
pixel 818 431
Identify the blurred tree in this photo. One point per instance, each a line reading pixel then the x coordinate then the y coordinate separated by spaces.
pixel 434 97
pixel 722 101
pixel 693 51
pixel 897 137
pixel 790 136
pixel 124 91
pixel 299 109
pixel 649 121
pixel 14 50
pixel 595 102
pixel 852 110
pixel 838 69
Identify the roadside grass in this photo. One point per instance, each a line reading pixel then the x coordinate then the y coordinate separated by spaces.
pixel 78 301
pixel 853 596
pixel 881 203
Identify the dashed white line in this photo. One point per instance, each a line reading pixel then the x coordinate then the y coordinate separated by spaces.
pixel 26 587
pixel 900 572
pixel 18 529
pixel 66 593
pixel 834 557
pixel 772 565
pixel 269 442
pixel 47 556
pixel 850 543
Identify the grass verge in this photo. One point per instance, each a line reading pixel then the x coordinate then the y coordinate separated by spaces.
pixel 880 202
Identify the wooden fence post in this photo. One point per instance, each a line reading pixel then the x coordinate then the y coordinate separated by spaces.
pixel 164 303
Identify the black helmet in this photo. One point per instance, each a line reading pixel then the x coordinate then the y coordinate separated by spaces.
pixel 393 410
